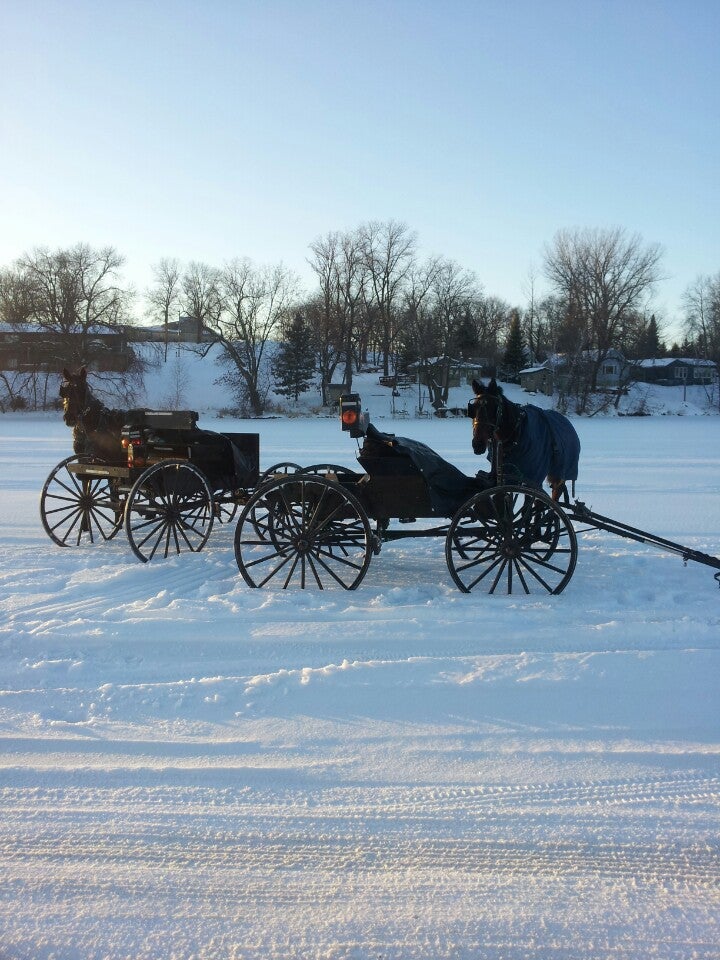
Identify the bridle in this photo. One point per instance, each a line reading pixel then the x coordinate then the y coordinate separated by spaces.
pixel 500 445
pixel 70 392
pixel 480 403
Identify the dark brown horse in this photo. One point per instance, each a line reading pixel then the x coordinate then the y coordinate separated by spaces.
pixel 527 444
pixel 96 429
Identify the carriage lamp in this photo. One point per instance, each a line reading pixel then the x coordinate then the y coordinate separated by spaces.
pixel 129 442
pixel 351 417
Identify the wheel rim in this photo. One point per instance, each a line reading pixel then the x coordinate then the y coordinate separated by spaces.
pixel 511 540
pixel 283 468
pixel 77 510
pixel 303 532
pixel 169 511
pixel 328 470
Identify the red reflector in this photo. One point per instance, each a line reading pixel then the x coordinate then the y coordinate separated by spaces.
pixel 349 417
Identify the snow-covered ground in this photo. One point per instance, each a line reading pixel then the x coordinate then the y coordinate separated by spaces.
pixel 193 769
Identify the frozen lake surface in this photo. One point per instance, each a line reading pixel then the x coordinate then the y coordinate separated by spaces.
pixel 191 768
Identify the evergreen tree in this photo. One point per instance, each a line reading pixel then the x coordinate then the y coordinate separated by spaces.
pixel 650 346
pixel 466 338
pixel 514 357
pixel 294 364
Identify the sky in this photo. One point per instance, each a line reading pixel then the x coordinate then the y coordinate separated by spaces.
pixel 212 130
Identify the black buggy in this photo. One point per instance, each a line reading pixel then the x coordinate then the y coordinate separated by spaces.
pixel 321 525
pixel 170 483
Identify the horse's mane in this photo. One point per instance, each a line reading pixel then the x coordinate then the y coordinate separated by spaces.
pixel 96 428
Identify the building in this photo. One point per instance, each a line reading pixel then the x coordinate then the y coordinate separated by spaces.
pixel 184 330
pixel 29 347
pixel 538 379
pixel 676 371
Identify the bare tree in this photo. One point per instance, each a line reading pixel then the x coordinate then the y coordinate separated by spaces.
pixel 200 296
pixel 604 277
pixel 491 316
pixel 351 278
pixel 254 300
pixel 702 316
pixel 454 290
pixel 15 303
pixel 418 329
pixel 71 295
pixel 338 262
pixel 163 297
pixel 323 309
pixel 388 253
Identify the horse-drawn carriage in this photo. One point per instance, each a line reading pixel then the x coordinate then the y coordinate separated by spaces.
pixel 166 481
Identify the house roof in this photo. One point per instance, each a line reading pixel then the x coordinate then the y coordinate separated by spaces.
pixel 537 369
pixel 669 361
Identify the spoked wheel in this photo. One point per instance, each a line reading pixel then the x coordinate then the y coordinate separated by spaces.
pixel 511 539
pixel 76 509
pixel 304 532
pixel 278 469
pixel 169 510
pixel 328 470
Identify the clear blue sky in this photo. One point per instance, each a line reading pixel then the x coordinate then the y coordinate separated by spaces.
pixel 208 130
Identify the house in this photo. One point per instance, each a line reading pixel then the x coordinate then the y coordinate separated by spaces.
pixel 28 347
pixel 676 371
pixel 538 379
pixel 448 372
pixel 612 372
pixel 184 330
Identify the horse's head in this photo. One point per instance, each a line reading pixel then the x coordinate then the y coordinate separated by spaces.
pixel 487 410
pixel 75 395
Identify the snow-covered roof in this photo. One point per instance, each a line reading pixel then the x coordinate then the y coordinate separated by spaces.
pixel 537 369
pixel 36 328
pixel 668 361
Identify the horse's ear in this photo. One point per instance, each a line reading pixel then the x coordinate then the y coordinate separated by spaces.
pixel 478 388
pixel 66 373
pixel 494 389
pixel 83 373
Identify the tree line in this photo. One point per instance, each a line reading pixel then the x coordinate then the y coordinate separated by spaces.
pixel 375 302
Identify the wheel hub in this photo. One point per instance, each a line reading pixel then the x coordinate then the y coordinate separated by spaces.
pixel 302 544
pixel 511 549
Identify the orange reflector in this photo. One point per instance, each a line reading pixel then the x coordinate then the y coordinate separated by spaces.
pixel 349 417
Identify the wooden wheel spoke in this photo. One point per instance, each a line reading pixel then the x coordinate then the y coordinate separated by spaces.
pixel 275 571
pixel 313 524
pixel 536 575
pixel 318 581
pixel 503 564
pixel 333 556
pixel 330 570
pixel 519 572
pixel 524 540
pixel 169 510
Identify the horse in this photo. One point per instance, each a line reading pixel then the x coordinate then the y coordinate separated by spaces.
pixel 96 429
pixel 527 444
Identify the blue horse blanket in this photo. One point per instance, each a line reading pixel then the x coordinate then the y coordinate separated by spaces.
pixel 548 445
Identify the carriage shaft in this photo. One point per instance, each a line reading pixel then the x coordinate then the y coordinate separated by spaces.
pixel 578 511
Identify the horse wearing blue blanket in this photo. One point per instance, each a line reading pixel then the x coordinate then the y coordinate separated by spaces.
pixel 527 444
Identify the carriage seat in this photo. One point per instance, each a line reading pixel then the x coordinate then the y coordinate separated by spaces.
pixel 385 455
